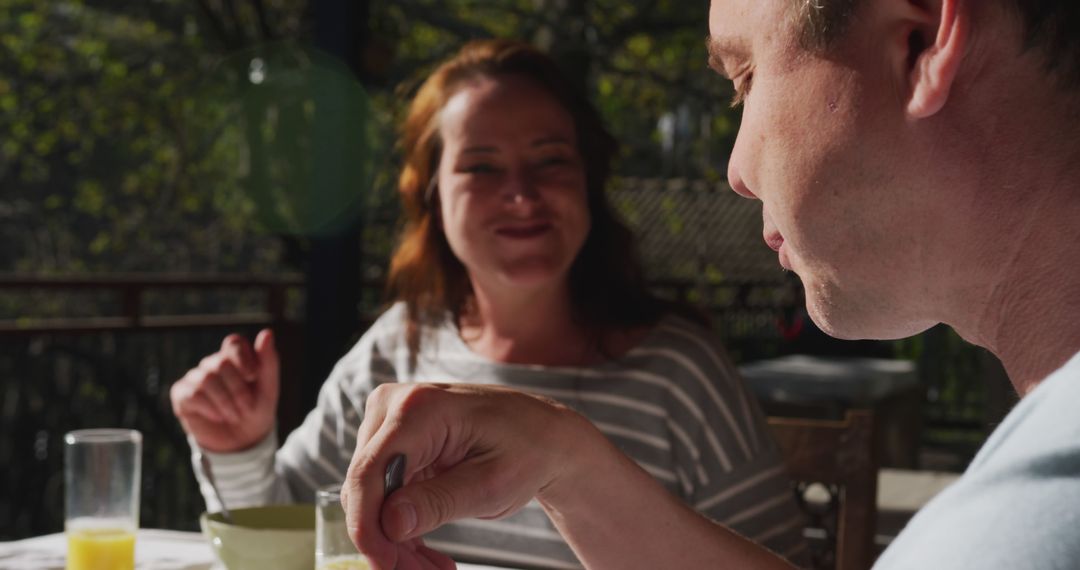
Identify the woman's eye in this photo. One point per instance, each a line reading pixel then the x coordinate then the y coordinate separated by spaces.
pixel 480 168
pixel 554 161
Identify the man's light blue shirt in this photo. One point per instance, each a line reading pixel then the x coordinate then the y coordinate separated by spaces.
pixel 1018 504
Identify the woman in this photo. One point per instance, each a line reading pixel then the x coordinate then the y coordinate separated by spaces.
pixel 512 270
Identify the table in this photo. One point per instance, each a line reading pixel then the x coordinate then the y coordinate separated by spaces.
pixel 901 493
pixel 852 381
pixel 154 550
pixel 825 387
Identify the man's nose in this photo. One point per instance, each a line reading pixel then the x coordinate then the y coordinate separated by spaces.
pixel 737 183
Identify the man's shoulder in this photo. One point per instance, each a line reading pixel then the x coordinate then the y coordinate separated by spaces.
pixel 998 518
pixel 1016 505
pixel 1044 420
pixel 1010 520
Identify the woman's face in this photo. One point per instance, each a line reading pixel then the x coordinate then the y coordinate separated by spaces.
pixel 511 183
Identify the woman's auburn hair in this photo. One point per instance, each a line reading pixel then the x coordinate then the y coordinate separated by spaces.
pixel 607 285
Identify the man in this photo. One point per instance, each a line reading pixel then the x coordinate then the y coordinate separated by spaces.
pixel 917 162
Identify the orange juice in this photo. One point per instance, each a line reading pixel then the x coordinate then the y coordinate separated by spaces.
pixel 101 549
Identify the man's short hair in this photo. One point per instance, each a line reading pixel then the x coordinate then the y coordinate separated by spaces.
pixel 820 23
pixel 1048 25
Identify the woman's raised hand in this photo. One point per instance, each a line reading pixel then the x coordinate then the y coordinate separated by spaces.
pixel 228 402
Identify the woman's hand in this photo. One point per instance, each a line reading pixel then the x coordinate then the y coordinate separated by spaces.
pixel 471 451
pixel 228 402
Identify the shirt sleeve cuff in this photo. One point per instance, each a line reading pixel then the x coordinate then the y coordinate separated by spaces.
pixel 256 453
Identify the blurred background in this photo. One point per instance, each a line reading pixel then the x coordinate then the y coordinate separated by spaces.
pixel 175 170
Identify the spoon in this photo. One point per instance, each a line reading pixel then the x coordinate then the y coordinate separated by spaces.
pixel 205 463
pixel 395 474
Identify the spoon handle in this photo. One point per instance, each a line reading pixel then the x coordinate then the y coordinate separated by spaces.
pixel 204 461
pixel 395 474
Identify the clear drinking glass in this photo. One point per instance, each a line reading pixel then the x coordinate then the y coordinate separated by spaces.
pixel 334 550
pixel 102 470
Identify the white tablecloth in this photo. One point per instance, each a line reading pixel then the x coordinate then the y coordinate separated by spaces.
pixel 154 550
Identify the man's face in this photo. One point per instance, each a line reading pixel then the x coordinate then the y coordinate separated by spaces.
pixel 822 145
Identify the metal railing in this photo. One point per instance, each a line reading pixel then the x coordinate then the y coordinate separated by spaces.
pixel 113 365
pixel 114 368
pixel 130 292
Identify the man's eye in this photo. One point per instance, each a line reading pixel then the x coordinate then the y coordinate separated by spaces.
pixel 742 89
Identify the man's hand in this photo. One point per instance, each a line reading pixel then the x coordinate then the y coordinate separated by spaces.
pixel 471 451
pixel 228 402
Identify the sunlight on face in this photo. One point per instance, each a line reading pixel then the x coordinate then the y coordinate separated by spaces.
pixel 511 183
pixel 817 146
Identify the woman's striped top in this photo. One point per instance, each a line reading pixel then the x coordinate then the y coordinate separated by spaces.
pixel 674 404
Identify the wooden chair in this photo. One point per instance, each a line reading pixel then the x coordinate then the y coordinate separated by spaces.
pixel 837 457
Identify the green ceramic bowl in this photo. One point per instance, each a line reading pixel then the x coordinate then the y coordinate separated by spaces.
pixel 280 537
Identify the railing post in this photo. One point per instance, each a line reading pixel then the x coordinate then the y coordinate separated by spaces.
pixel 132 303
pixel 275 303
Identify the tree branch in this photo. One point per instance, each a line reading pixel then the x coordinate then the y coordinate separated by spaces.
pixel 652 27
pixel 217 24
pixel 667 82
pixel 230 5
pixel 264 22
pixel 434 18
pixel 625 28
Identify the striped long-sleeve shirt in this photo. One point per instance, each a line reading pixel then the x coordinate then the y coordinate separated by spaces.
pixel 674 404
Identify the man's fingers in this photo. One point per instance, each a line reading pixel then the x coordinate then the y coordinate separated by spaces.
pixel 463 491
pixel 362 503
pixel 436 559
pixel 463 480
pixel 414 555
pixel 362 492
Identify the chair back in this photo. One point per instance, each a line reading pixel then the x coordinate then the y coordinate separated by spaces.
pixel 834 467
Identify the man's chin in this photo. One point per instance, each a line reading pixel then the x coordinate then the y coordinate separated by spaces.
pixel 848 319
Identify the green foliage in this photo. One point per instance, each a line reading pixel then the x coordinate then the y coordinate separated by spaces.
pixel 114 153
pixel 642 59
pixel 137 139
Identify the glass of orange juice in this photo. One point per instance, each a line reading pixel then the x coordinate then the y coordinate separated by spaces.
pixel 334 550
pixel 102 470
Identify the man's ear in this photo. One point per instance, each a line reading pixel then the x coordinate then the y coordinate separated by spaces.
pixel 937 39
